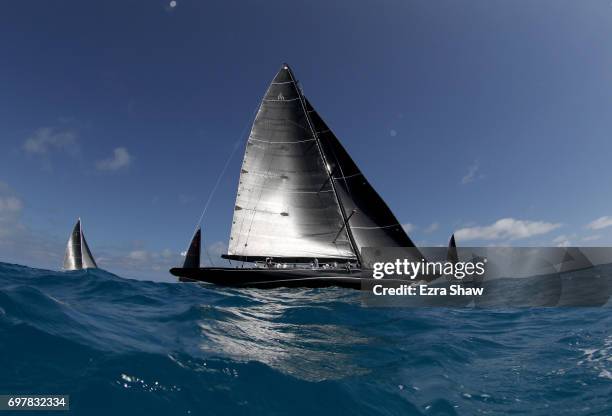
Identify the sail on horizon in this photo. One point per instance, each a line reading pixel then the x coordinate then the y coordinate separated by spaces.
pixel 78 255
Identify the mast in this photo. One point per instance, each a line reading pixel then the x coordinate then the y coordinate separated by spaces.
pixel 327 167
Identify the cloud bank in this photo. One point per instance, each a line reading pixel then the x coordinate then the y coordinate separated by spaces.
pixel 48 139
pixel 470 176
pixel 599 223
pixel 506 229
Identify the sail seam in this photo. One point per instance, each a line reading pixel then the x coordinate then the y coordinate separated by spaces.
pixel 375 228
pixel 348 177
pixel 267 141
pixel 293 192
pixel 283 100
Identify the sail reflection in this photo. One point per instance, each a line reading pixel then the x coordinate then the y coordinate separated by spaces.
pixel 282 335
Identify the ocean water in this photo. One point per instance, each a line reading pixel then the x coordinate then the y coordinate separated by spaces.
pixel 119 346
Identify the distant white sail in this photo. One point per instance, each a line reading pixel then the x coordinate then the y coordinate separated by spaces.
pixel 78 256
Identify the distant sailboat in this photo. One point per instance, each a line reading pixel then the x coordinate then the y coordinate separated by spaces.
pixel 452 254
pixel 78 256
pixel 303 210
pixel 192 257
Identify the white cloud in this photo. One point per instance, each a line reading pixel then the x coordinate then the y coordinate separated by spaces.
pixel 562 241
pixel 599 223
pixel 47 139
pixel 432 227
pixel 216 249
pixel 470 176
pixel 408 227
pixel 211 253
pixel 186 199
pixel 10 205
pixel 139 255
pixel 139 261
pixel 591 237
pixel 506 228
pixel 10 210
pixel 120 159
pixel 17 242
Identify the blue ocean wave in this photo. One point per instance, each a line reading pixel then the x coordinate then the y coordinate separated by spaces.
pixel 121 346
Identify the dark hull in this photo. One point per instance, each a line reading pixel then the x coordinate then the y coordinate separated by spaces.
pixel 272 278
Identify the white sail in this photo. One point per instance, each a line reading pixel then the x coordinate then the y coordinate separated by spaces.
pixel 87 258
pixel 72 259
pixel 78 256
pixel 286 206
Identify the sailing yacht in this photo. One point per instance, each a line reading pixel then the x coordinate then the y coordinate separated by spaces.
pixel 78 256
pixel 304 211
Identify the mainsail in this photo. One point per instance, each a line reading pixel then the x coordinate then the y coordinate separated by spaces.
pixel 285 206
pixel 78 256
pixel 300 195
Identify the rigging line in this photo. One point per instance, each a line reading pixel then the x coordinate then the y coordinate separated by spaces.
pixel 338 164
pixel 221 174
pixel 329 173
pixel 214 189
pixel 348 177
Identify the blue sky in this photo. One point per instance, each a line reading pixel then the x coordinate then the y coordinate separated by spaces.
pixel 489 117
